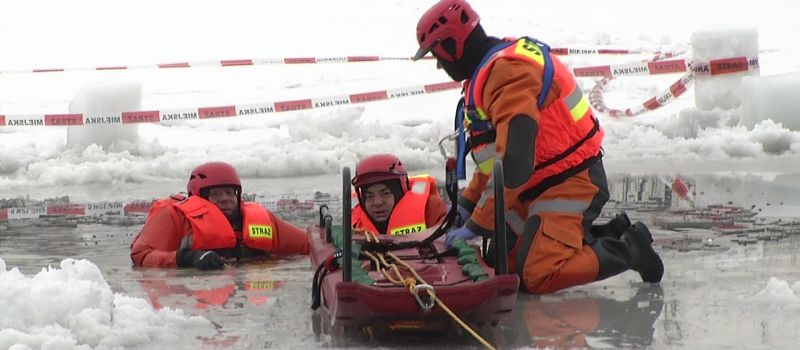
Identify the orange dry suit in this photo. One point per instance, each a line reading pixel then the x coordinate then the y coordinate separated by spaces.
pixel 524 106
pixel 197 224
pixel 419 208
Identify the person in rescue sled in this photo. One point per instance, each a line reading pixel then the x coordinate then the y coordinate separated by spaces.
pixel 522 104
pixel 389 202
pixel 212 225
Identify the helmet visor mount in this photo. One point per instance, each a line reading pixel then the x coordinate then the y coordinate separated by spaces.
pixel 425 50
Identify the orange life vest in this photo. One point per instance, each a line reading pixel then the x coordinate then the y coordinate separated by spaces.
pixel 211 229
pixel 569 133
pixel 408 215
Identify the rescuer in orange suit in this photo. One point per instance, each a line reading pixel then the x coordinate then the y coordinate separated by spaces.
pixel 522 104
pixel 389 202
pixel 212 225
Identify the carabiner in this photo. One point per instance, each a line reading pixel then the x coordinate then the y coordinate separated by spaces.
pixel 449 137
pixel 425 305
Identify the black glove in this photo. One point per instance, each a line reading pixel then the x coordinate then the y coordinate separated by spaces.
pixel 200 259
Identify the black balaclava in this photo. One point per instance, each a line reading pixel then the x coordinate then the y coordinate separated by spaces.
pixel 476 46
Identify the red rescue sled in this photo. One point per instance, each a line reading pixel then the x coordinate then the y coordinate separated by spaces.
pixel 351 294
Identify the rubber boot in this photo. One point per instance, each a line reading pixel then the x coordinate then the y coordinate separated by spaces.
pixel 644 259
pixel 613 257
pixel 613 228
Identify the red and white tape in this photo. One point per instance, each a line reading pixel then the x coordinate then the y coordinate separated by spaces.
pixel 695 69
pixel 725 66
pixel 633 69
pixel 676 89
pixel 721 66
pixel 289 60
pixel 564 51
pixel 219 63
pixel 168 115
pixel 88 209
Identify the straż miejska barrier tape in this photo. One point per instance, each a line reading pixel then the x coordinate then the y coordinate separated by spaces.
pixel 159 116
pixel 140 207
pixel 696 70
pixel 290 60
pixel 96 209
pixel 722 66
pixel 657 67
pixel 676 89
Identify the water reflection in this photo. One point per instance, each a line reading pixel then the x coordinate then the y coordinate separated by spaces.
pixel 579 319
pixel 228 288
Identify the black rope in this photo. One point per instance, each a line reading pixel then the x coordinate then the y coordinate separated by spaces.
pixel 451 187
pixel 316 286
pixel 449 252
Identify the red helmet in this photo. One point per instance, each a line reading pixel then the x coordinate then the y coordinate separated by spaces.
pixel 378 168
pixel 212 174
pixel 447 20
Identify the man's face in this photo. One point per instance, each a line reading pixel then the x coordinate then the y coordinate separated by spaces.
pixel 379 201
pixel 224 198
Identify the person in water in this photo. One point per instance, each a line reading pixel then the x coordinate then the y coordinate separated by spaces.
pixel 212 225
pixel 391 202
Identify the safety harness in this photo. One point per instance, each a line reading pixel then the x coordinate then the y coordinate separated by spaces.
pixel 481 129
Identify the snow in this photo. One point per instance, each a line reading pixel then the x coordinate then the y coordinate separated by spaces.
pixel 723 91
pixel 777 294
pixel 771 97
pixel 105 98
pixel 73 307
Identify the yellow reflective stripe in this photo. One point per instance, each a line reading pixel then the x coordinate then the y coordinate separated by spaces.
pixel 467 120
pixel 580 110
pixel 405 230
pixel 481 114
pixel 484 157
pixel 486 166
pixel 529 49
pixel 577 104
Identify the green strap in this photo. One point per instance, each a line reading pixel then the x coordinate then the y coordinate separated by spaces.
pixel 468 259
pixel 357 272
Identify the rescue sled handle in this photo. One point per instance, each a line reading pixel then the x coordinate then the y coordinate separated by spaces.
pixel 326 221
pixel 328 228
pixel 323 210
pixel 347 228
pixel 500 252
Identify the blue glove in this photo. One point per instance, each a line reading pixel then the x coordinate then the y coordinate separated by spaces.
pixel 462 232
pixel 462 214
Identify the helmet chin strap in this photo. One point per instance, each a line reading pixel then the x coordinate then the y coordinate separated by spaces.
pixel 235 219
